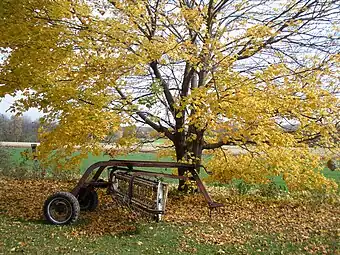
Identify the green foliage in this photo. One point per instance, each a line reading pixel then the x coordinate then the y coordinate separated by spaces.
pixel 241 186
pixel 5 159
pixel 274 188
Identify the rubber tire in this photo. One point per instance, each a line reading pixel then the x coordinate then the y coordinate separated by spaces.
pixel 75 208
pixel 92 200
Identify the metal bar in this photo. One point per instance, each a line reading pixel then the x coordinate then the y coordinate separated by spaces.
pixel 137 163
pixel 127 163
pixel 152 174
pixel 130 164
pixel 146 209
pixel 140 180
pixel 130 190
pixel 98 173
pixel 202 189
pixel 99 184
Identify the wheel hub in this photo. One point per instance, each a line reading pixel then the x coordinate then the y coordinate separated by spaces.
pixel 60 210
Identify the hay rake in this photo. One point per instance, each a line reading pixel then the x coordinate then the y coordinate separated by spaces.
pixel 140 193
pixel 136 188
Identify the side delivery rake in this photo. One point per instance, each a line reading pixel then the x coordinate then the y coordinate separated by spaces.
pixel 135 188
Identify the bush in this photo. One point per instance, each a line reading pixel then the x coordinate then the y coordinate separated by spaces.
pixel 273 189
pixel 27 168
pixel 300 168
pixel 22 170
pixel 5 160
pixel 241 186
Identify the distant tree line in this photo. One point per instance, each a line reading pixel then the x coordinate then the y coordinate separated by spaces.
pixel 18 129
pixel 24 129
pixel 143 132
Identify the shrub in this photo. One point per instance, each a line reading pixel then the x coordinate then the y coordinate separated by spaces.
pixel 241 186
pixel 299 168
pixel 5 160
pixel 274 188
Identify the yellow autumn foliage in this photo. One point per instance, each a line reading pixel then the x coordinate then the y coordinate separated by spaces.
pixel 82 129
pixel 204 74
pixel 299 168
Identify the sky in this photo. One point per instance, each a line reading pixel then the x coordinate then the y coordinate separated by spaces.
pixel 7 101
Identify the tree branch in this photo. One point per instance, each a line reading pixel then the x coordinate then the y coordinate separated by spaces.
pixel 219 144
pixel 159 128
pixel 164 85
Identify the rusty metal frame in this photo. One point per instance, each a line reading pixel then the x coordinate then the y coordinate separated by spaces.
pixel 128 197
pixel 128 165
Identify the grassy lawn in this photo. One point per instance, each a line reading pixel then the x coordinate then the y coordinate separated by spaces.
pixel 246 225
pixel 16 157
pixel 27 237
pixel 38 238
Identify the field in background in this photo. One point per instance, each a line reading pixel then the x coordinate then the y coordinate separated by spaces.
pixel 16 157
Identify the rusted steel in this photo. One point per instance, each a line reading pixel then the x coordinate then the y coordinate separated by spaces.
pixel 139 192
pixel 127 163
pixel 98 173
pixel 125 184
pixel 128 166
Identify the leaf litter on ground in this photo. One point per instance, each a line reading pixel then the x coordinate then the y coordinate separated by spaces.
pixel 242 219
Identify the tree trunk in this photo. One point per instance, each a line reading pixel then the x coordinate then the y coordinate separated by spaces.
pixel 180 155
pixel 187 151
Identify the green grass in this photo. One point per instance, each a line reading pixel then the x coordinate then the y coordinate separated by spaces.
pixel 16 157
pixel 149 238
pixel 36 237
pixel 15 153
pixel 264 243
pixel 40 238
pixel 335 175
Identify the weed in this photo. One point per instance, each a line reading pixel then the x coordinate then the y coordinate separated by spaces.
pixel 274 188
pixel 241 186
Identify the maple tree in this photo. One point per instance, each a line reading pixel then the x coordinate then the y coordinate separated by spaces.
pixel 202 73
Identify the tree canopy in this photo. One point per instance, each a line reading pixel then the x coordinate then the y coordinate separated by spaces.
pixel 202 73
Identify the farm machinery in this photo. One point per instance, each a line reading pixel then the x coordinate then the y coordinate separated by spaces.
pixel 127 183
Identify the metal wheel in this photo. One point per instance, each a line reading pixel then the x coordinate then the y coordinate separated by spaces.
pixel 61 208
pixel 88 199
